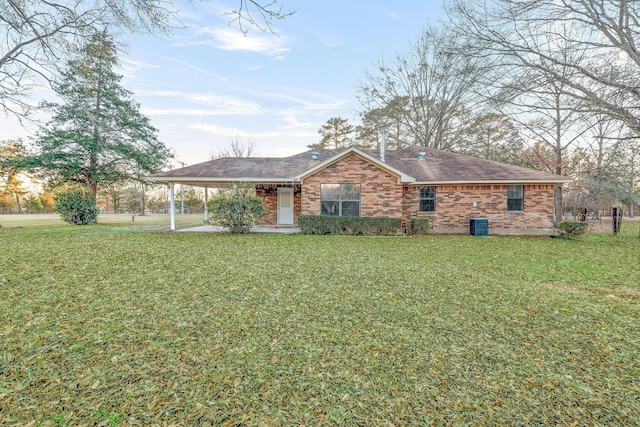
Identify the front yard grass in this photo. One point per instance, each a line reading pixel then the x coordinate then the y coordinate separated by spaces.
pixel 109 325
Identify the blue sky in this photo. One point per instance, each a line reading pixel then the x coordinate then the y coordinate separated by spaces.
pixel 208 84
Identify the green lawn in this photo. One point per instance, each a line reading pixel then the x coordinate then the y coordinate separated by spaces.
pixel 158 221
pixel 113 325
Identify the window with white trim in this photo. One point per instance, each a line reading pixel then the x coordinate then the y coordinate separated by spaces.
pixel 340 199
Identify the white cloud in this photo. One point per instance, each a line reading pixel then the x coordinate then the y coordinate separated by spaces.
pixel 231 132
pixel 232 39
pixel 219 105
pixel 131 67
pixel 194 68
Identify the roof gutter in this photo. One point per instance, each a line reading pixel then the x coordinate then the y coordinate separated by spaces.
pixel 185 179
pixel 497 181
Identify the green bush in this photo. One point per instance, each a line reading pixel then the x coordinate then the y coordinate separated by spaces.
pixel 572 228
pixel 419 226
pixel 76 206
pixel 352 225
pixel 237 213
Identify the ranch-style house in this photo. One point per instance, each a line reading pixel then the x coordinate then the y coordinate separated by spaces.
pixel 416 181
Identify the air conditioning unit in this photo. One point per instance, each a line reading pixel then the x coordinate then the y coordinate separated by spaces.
pixel 479 226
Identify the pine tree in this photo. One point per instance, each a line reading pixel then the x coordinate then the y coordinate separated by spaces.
pixel 97 135
pixel 336 133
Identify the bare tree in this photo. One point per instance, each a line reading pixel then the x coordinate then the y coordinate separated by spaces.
pixel 36 36
pixel 602 67
pixel 428 90
pixel 534 91
pixel 237 148
pixel 598 170
pixel 258 14
pixel 625 160
pixel 39 35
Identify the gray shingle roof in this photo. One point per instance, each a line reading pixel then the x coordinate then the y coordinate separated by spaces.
pixel 437 167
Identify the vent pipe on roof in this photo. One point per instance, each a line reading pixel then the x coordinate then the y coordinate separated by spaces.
pixel 383 144
pixel 314 155
pixel 421 155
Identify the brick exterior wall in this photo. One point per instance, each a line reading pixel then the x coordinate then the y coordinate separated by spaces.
pixel 380 193
pixel 454 208
pixel 269 195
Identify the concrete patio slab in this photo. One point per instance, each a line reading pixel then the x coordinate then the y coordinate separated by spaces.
pixel 255 229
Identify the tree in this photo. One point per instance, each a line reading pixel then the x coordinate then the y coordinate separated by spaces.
pixel 37 35
pixel 428 90
pixel 11 153
pixel 384 119
pixel 600 37
pixel 535 97
pixel 98 135
pixel 336 133
pixel 492 136
pixel 625 160
pixel 596 172
pixel 258 15
pixel 236 149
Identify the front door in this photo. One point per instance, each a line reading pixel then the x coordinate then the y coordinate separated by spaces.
pixel 285 206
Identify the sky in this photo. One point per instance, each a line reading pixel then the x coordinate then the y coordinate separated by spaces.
pixel 207 85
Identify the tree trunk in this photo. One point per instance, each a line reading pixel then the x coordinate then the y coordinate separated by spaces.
pixel 558 204
pixel 142 200
pixel 93 188
pixel 558 152
pixel 20 211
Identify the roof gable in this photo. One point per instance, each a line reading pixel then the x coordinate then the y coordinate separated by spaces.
pixel 402 176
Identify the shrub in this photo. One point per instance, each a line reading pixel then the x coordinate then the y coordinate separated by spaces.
pixel 419 226
pixel 352 225
pixel 572 228
pixel 237 213
pixel 76 206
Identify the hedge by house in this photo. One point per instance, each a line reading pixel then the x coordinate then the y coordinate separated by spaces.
pixel 419 226
pixel 351 225
pixel 572 228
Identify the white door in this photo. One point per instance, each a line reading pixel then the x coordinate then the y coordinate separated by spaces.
pixel 285 206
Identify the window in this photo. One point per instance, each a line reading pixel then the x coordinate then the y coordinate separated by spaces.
pixel 428 199
pixel 515 197
pixel 340 199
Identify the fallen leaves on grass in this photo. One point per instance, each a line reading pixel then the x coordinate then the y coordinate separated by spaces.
pixel 182 329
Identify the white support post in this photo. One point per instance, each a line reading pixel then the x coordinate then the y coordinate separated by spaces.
pixel 206 209
pixel 172 205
